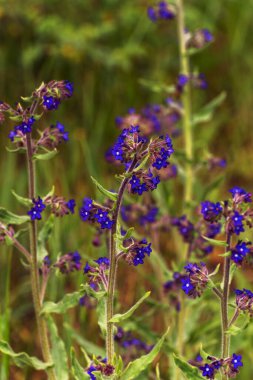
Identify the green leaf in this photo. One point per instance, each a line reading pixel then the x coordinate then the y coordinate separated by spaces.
pixel 92 293
pixel 121 317
pixel 43 237
pixel 22 358
pixel 16 118
pixel 76 368
pixel 218 243
pixel 8 217
pixel 58 351
pixel 23 201
pixel 27 98
pixel 190 372
pixel 142 164
pixel 206 113
pixel 137 366
pixel 45 156
pixel 106 193
pixel 68 301
pixel 226 254
pixel 216 270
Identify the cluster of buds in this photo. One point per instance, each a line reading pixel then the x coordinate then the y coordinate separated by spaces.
pixel 172 288
pixel 96 214
pixel 51 94
pixel 59 206
pixel 196 280
pixel 197 80
pixel 69 262
pixel 102 366
pixel 193 234
pixel 97 274
pixel 135 253
pixel 244 300
pixel 240 251
pixel 229 366
pixel 162 11
pixel 142 214
pixel 199 39
pixel 53 136
pixel 154 119
pixel 236 212
pixel 6 232
pixel 127 340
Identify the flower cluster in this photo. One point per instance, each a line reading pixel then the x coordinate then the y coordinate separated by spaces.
pixel 160 151
pixel 97 274
pixel 198 81
pixel 95 214
pixel 127 340
pixel 196 280
pixel 53 136
pixel 53 93
pixel 36 210
pixel 239 252
pixel 143 214
pixel 22 129
pixel 163 11
pixel 229 366
pixel 172 288
pixel 199 39
pixel 137 251
pixel 143 181
pixel 59 206
pixel 102 366
pixel 69 262
pixel 211 211
pixel 154 119
pixel 244 300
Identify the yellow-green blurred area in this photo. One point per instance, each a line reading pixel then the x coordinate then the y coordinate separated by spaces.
pixel 109 49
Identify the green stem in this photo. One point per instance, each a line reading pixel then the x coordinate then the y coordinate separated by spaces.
pixel 225 338
pixel 188 144
pixel 35 283
pixel 186 101
pixel 113 269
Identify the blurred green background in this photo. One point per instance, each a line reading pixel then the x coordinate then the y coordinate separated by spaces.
pixel 106 47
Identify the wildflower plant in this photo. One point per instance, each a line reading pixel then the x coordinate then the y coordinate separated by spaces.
pixel 129 221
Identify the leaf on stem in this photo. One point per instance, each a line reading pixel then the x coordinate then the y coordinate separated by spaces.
pixel 67 302
pixel 117 318
pixel 137 366
pixel 8 217
pixel 190 372
pixel 22 358
pixel 23 201
pixel 106 193
pixel 76 368
pixel 58 351
pixel 218 243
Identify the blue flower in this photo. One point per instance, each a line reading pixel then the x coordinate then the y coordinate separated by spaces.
pixel 240 194
pixel 69 87
pixel 50 103
pixel 237 223
pixel 71 204
pixel 34 214
pixel 211 211
pixel 239 252
pixel 236 361
pixel 207 35
pixel 207 371
pixel 187 285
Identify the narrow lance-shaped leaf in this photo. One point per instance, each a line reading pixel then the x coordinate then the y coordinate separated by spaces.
pixel 58 351
pixel 190 372
pixel 23 201
pixel 22 358
pixel 137 366
pixel 68 301
pixel 106 193
pixel 219 243
pixel 76 368
pixel 45 156
pixel 121 317
pixel 8 217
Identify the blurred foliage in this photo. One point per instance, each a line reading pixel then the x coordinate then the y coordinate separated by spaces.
pixel 106 47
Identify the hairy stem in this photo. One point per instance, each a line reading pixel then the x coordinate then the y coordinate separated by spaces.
pixel 188 144
pixel 186 101
pixel 113 268
pixel 35 283
pixel 225 341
